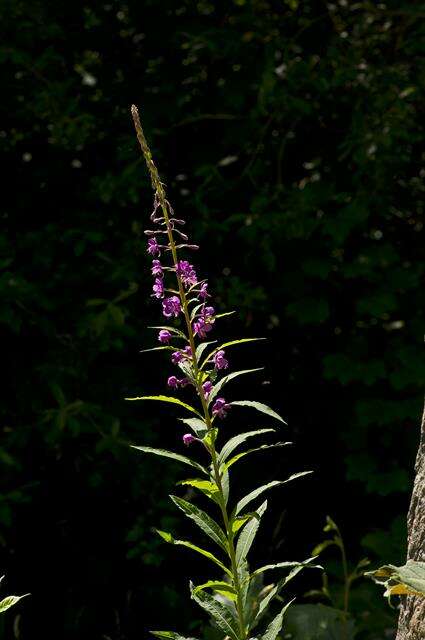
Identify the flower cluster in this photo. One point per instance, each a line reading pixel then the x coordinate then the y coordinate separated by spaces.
pixel 191 290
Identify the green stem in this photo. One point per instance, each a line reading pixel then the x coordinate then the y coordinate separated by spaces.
pixel 159 190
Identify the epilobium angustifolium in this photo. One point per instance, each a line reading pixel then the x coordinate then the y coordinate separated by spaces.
pixel 184 295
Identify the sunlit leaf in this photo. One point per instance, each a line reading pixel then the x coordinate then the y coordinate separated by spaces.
pixel 221 587
pixel 164 453
pixel 197 424
pixel 259 406
pixel 177 332
pixel 168 399
pixel 409 579
pixel 10 601
pixel 248 534
pixel 225 345
pixel 275 625
pixel 257 492
pixel 170 635
pixel 221 383
pixel 189 545
pixel 288 565
pixel 203 520
pixel 207 487
pixel 201 348
pixel 223 616
pixel 234 442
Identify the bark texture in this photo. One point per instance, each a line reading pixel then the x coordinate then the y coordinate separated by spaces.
pixel 411 624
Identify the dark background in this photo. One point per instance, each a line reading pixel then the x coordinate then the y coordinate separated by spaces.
pixel 290 136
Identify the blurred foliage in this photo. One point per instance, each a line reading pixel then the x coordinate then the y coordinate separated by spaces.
pixel 291 133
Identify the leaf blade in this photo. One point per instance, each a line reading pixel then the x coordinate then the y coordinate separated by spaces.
pixel 203 520
pixel 259 406
pixel 265 487
pixel 248 534
pixel 168 399
pixel 222 616
pixel 164 453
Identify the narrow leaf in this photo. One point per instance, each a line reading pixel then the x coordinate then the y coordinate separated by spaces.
pixel 224 588
pixel 220 384
pixel 198 425
pixel 275 625
pixel 263 447
pixel 207 487
pixel 203 520
pixel 259 406
pixel 170 635
pixel 175 456
pixel 248 534
pixel 257 492
pixel 177 332
pixel 168 399
pixel 201 348
pixel 225 345
pixel 234 442
pixel 203 552
pixel 10 601
pixel 163 348
pixel 287 565
pixel 222 615
pixel 223 315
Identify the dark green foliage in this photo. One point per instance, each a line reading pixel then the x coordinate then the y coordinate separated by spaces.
pixel 292 135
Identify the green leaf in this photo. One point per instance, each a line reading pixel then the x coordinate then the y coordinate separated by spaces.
pixel 275 625
pixel 222 615
pixel 241 455
pixel 248 534
pixel 220 384
pixel 203 520
pixel 227 344
pixel 234 442
pixel 169 635
pixel 203 552
pixel 259 406
pixel 257 492
pixel 237 522
pixel 198 425
pixel 207 487
pixel 407 580
pixel 163 348
pixel 170 454
pixel 223 315
pixel 10 601
pixel 201 348
pixel 221 587
pixel 177 332
pixel 168 399
pixel 287 565
pixel 225 485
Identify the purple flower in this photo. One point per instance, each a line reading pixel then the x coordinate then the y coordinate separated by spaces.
pixel 207 312
pixel 207 387
pixel 183 382
pixel 201 328
pixel 188 351
pixel 158 288
pixel 153 247
pixel 172 382
pixel 188 438
pixel 203 292
pixel 157 268
pixel 220 408
pixel 164 336
pixel 177 357
pixel 186 272
pixel 220 361
pixel 171 307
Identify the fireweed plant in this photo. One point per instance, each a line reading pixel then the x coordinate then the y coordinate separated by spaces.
pixel 184 296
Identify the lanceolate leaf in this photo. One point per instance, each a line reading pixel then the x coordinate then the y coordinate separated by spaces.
pixel 164 348
pixel 259 406
pixel 275 625
pixel 201 348
pixel 234 442
pixel 9 601
pixel 198 425
pixel 222 615
pixel 224 588
pixel 175 456
pixel 263 447
pixel 170 635
pixel 287 565
pixel 207 487
pixel 203 552
pixel 177 332
pixel 220 384
pixel 257 492
pixel 168 399
pixel 203 520
pixel 225 345
pixel 223 315
pixel 248 534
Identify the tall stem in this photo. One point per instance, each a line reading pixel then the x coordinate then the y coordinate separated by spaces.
pixel 159 190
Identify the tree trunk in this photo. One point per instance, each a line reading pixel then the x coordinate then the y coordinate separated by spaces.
pixel 411 624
